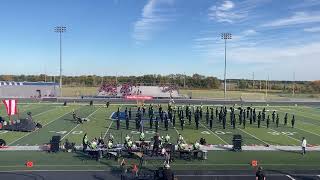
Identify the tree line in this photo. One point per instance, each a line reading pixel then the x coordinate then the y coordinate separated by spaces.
pixel 195 81
pixel 179 80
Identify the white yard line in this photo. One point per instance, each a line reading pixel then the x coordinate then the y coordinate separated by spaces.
pixel 308 123
pixel 79 124
pixel 215 134
pixel 105 134
pixel 44 112
pixel 309 117
pixel 70 132
pixel 176 130
pixel 308 131
pixel 38 129
pixel 253 136
pixel 111 116
pixel 290 177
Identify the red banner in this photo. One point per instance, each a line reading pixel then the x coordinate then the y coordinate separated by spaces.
pixel 134 97
pixel 11 106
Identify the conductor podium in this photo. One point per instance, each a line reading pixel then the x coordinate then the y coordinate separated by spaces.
pixel 237 142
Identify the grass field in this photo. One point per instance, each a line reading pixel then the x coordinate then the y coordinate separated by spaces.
pixel 203 93
pixel 57 120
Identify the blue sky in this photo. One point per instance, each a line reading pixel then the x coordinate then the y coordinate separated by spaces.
pixel 135 37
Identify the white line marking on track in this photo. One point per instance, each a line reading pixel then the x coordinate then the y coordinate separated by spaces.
pixel 214 175
pixel 290 177
pixel 79 124
pixel 187 164
pixel 215 134
pixel 253 136
pixel 38 129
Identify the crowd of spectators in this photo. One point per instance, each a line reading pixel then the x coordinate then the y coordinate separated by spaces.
pixel 108 88
pixel 126 89
pixel 169 88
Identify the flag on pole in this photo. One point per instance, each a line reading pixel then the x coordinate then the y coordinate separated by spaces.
pixel 11 106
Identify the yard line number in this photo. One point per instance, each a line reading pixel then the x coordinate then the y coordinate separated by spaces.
pixel 274 133
pixel 65 132
pixel 147 132
pixel 216 132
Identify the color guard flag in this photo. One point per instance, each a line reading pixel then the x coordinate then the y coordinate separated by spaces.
pixel 11 106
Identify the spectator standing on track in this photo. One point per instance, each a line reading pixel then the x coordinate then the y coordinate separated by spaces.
pixel 260 174
pixel 304 145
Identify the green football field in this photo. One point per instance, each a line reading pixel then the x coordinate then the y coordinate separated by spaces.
pixel 57 120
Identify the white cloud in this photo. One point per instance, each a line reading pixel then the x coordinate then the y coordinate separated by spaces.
pixel 153 14
pixel 227 5
pixel 205 45
pixel 231 12
pixel 280 61
pixel 224 13
pixel 312 29
pixel 297 18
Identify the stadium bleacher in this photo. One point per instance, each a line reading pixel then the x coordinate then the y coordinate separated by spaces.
pixel 130 89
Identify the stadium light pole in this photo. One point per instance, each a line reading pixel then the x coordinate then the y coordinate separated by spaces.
pixel 60 30
pixel 225 36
